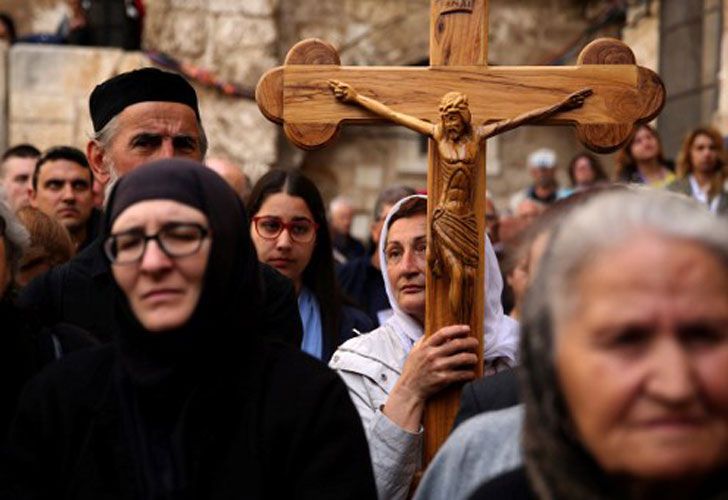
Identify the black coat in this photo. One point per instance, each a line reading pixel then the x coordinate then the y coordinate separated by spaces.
pixel 363 283
pixel 488 394
pixel 277 425
pixel 79 292
pixel 26 348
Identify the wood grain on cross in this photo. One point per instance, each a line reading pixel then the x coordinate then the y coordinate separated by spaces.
pixel 298 96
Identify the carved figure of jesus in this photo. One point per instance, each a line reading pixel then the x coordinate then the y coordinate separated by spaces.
pixel 454 247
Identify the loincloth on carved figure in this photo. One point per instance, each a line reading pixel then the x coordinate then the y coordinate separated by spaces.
pixel 457 233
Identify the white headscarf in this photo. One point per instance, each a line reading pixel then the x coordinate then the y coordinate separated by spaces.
pixel 500 332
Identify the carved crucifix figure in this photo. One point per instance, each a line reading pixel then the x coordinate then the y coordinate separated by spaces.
pixel 453 249
pixel 298 96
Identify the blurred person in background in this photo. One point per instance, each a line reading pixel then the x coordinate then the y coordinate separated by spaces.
pixel 585 170
pixel 232 174
pixel 16 174
pixel 361 277
pixel 341 215
pixel 27 345
pixel 641 160
pixel 544 188
pixel 701 169
pixel 50 245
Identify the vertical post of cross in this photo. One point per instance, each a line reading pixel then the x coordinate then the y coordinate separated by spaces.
pixel 458 37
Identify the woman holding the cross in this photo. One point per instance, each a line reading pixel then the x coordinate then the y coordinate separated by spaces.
pixel 393 370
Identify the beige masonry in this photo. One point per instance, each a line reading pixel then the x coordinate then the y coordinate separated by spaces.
pixel 240 39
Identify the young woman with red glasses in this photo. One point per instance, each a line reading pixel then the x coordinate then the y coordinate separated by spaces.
pixel 291 234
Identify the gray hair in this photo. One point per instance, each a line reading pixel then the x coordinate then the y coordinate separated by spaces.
pixel 16 237
pixel 390 196
pixel 107 134
pixel 612 220
pixel 557 463
pixel 338 201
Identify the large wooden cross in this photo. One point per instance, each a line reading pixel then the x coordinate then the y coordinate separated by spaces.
pixel 312 95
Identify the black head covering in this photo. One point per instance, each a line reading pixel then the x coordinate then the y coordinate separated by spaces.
pixel 225 319
pixel 111 97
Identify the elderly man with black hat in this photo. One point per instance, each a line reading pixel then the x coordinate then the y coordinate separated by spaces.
pixel 139 116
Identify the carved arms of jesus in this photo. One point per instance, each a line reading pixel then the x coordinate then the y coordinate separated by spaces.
pixel 454 248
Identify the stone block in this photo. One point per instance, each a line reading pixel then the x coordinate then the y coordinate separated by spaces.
pixel 368 177
pixel 237 128
pixel 42 135
pixel 30 106
pixel 244 66
pixel 238 31
pixel 58 70
pixel 3 93
pixel 257 8
pixel 184 34
pixel 188 4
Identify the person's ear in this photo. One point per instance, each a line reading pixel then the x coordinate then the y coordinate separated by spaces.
pixel 95 154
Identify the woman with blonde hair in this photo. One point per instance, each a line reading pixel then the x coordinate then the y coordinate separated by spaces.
pixel 700 169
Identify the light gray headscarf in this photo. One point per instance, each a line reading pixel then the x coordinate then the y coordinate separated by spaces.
pixel 501 333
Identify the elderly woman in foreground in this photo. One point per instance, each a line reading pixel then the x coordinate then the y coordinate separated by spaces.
pixel 626 357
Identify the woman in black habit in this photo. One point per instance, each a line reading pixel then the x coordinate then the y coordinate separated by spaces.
pixel 189 401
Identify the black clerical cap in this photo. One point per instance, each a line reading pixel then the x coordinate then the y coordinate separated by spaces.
pixel 142 85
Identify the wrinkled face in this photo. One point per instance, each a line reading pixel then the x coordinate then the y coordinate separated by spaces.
pixel 583 172
pixel 405 253
pixel 17 180
pixel 162 291
pixel 283 253
pixel 64 193
pixel 703 154
pixel 643 359
pixel 341 217
pixel 644 145
pixel 149 131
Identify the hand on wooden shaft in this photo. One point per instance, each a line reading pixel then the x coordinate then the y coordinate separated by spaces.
pixel 343 91
pixel 439 360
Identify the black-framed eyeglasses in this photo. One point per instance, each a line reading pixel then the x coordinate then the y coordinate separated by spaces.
pixel 177 239
pixel 301 230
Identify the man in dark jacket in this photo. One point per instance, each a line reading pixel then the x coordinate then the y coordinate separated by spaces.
pixel 138 117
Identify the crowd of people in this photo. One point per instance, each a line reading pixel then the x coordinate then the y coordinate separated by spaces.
pixel 174 331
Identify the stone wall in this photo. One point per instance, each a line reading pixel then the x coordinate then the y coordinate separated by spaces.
pixel 239 39
pixel 3 92
pixel 721 116
pixel 49 89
